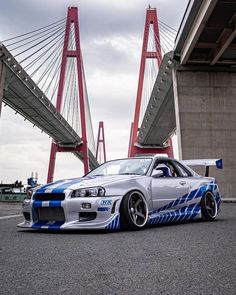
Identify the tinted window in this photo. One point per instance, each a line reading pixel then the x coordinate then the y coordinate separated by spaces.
pixel 183 171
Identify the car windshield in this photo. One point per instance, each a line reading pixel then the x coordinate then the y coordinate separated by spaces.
pixel 131 166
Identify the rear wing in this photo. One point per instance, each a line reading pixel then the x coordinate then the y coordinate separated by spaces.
pixel 218 163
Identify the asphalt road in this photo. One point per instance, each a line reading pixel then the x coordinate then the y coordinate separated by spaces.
pixel 191 258
pixel 10 208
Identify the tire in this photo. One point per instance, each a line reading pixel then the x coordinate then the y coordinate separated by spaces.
pixel 209 206
pixel 134 211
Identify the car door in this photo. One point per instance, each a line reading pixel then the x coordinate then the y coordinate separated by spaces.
pixel 168 188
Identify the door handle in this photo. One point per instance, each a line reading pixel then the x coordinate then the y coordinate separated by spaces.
pixel 182 182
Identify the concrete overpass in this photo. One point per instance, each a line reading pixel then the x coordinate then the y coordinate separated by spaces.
pixel 195 90
pixel 207 35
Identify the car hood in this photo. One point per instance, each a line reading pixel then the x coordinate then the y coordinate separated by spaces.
pixel 75 183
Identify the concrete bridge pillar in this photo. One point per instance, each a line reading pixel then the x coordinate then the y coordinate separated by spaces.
pixel 205 106
pixel 2 80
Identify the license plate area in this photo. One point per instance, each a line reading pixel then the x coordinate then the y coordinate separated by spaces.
pixel 51 214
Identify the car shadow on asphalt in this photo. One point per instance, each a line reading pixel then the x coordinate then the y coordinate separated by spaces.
pixel 68 232
pixel 185 222
pixel 105 231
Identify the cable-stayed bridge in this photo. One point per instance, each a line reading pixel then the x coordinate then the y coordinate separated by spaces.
pixel 43 79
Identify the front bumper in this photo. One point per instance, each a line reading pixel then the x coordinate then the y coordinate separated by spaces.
pixel 69 214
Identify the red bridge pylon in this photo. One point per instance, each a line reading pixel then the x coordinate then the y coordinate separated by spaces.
pixel 101 142
pixel 72 18
pixel 134 148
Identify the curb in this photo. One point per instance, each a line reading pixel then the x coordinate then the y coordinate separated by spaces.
pixel 228 200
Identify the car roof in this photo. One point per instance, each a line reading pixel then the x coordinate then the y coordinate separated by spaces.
pixel 154 156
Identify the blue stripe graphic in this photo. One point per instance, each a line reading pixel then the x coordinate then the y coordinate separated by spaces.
pixel 59 189
pixel 115 223
pixel 185 213
pixel 37 204
pixel 55 203
pixel 56 225
pixel 118 222
pixel 197 193
pixel 40 223
pixel 63 187
pixel 47 186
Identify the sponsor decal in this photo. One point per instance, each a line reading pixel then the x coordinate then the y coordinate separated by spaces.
pixel 103 209
pixel 106 202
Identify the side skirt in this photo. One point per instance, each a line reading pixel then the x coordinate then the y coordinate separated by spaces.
pixel 192 211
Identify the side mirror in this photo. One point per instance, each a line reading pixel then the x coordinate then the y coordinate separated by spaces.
pixel 157 173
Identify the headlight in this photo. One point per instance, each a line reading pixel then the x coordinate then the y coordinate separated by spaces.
pixel 88 192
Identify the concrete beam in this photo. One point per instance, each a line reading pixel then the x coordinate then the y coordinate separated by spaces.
pixel 203 14
pixel 226 39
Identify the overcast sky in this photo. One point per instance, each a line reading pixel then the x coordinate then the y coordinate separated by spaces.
pixel 111 35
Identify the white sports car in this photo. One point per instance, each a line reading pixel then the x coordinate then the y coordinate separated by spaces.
pixel 126 193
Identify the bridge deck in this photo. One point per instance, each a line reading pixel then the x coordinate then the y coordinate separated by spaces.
pixel 159 120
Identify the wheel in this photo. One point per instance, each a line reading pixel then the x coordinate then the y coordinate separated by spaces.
pixel 209 206
pixel 134 211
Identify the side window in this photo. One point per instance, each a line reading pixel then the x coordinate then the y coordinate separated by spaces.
pixel 183 171
pixel 167 168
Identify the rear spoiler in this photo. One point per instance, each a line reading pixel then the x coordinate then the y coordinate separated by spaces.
pixel 204 162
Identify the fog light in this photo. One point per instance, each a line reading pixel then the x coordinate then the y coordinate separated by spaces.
pixel 86 205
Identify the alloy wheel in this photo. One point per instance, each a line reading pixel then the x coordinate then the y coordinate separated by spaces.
pixel 138 209
pixel 211 205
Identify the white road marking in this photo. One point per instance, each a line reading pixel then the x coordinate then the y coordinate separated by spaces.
pixel 10 216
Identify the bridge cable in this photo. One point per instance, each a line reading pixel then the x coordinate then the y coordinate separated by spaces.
pixel 68 75
pixel 36 39
pixel 169 27
pixel 6 40
pixel 47 58
pixel 59 34
pixel 51 64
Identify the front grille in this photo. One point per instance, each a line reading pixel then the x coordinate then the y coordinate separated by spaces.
pixel 50 214
pixel 49 197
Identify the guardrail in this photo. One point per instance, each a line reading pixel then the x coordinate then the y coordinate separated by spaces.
pixel 12 197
